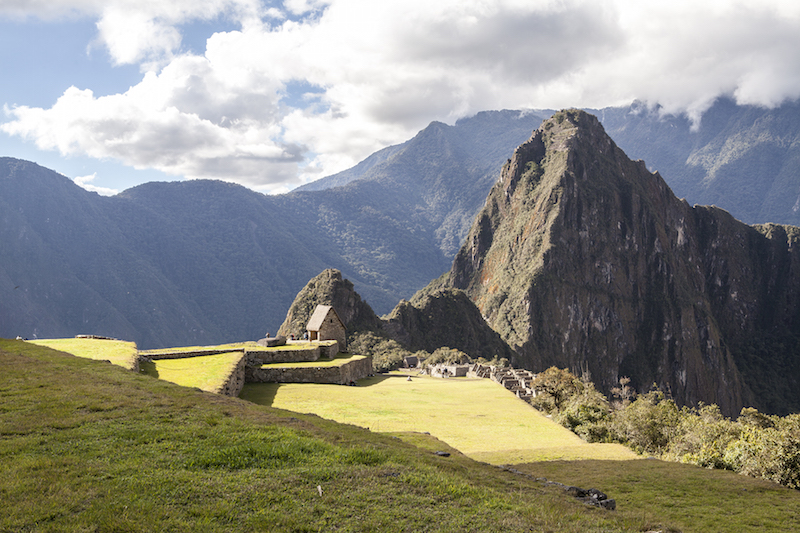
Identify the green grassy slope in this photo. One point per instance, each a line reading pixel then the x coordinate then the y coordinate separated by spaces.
pixel 206 372
pixel 476 416
pixel 691 498
pixel 86 446
pixel 122 353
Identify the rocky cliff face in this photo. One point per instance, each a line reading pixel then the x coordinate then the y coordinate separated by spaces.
pixel 444 317
pixel 582 258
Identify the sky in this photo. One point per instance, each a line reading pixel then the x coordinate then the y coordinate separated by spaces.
pixel 271 95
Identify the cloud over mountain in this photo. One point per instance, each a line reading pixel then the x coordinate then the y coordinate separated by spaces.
pixel 308 88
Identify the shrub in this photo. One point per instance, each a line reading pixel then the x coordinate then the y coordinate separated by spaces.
pixel 702 437
pixel 446 355
pixel 648 424
pixel 586 414
pixel 387 354
pixel 554 387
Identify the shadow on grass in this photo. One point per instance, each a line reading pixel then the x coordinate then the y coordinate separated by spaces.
pixel 148 368
pixel 260 393
pixel 374 380
pixel 264 393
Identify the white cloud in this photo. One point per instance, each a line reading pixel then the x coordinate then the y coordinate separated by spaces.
pixel 86 183
pixel 383 70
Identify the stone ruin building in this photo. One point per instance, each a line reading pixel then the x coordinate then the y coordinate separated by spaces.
pixel 325 324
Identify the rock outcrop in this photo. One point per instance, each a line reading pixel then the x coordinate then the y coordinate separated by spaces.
pixel 444 317
pixel 329 288
pixel 582 258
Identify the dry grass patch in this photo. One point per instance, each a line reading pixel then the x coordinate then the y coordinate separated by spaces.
pixel 205 372
pixel 476 416
pixel 120 353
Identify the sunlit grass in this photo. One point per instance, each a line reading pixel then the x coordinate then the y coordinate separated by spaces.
pixel 120 353
pixel 249 345
pixel 205 372
pixel 476 416
pixel 86 446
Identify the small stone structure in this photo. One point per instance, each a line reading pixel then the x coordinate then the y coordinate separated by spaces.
pixel 448 371
pixel 251 365
pixel 410 361
pixel 325 324
pixel 518 381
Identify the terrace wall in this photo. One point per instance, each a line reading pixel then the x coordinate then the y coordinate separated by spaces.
pixel 233 385
pixel 341 375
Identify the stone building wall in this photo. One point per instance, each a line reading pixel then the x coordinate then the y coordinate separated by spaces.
pixel 332 329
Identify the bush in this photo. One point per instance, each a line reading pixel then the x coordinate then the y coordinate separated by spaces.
pixel 446 355
pixel 387 354
pixel 648 424
pixel 573 402
pixel 702 437
pixel 586 414
pixel 554 387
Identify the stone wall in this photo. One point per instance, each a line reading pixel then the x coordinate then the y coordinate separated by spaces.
pixel 341 375
pixel 312 352
pixel 332 329
pixel 233 385
pixel 177 354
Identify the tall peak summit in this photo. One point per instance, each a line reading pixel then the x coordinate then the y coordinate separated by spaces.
pixel 582 258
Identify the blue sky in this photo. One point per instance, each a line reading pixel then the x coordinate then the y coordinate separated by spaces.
pixel 114 93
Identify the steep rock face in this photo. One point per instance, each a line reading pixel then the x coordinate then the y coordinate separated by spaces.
pixel 445 317
pixel 329 288
pixel 583 258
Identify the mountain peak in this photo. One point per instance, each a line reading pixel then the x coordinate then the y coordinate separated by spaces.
pixel 582 258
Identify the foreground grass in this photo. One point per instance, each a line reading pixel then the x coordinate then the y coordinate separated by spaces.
pixel 206 372
pixel 120 353
pixel 687 496
pixel 86 446
pixel 476 416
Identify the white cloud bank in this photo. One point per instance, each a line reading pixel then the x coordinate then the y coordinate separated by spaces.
pixel 376 72
pixel 86 183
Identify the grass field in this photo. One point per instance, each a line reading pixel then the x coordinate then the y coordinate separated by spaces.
pixel 86 446
pixel 691 498
pixel 206 372
pixel 120 353
pixel 250 346
pixel 91 447
pixel 476 416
